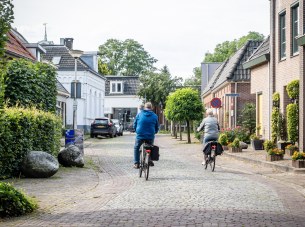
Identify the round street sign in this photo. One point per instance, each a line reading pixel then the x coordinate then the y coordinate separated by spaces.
pixel 216 102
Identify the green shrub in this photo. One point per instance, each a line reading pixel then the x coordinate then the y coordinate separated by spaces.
pixel 276 98
pixel 223 139
pixel 293 122
pixel 230 134
pixel 197 135
pixel 235 143
pixel 30 83
pixel 268 145
pixel 274 123
pixel 293 89
pixel 23 130
pixel 14 202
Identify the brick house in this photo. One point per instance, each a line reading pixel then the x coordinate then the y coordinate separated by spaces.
pixel 279 60
pixel 228 78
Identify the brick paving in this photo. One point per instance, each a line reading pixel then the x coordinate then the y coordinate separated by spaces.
pixel 179 192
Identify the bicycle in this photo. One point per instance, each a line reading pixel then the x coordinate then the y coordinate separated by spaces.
pixel 211 158
pixel 145 158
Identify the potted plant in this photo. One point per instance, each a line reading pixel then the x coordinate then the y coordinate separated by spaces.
pixel 275 154
pixel 291 149
pixel 256 142
pixel 223 140
pixel 234 147
pixel 298 160
pixel 268 145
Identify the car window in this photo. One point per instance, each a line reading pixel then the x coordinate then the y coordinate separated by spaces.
pixel 111 121
pixel 101 121
pixel 115 122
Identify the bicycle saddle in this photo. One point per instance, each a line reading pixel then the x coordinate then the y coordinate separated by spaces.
pixel 147 146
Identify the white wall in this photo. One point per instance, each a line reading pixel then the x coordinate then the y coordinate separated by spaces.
pixel 91 104
pixel 121 101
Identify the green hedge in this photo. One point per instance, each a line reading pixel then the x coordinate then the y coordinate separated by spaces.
pixel 293 122
pixel 23 130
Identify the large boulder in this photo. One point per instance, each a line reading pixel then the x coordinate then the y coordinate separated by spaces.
pixel 71 156
pixel 39 164
pixel 243 145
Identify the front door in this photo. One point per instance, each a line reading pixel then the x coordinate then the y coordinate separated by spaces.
pixel 260 113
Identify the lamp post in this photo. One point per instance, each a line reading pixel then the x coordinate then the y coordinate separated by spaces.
pixel 75 54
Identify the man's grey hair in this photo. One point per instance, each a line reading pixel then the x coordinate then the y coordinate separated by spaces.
pixel 148 105
pixel 210 111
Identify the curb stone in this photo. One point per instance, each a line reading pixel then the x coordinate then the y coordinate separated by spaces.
pixel 266 164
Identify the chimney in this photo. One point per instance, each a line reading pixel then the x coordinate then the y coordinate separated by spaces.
pixel 69 43
pixel 62 41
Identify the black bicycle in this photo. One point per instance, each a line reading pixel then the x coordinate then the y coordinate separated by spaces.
pixel 211 158
pixel 145 158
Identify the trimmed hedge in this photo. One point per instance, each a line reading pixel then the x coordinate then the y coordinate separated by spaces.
pixel 293 89
pixel 23 130
pixel 14 202
pixel 293 122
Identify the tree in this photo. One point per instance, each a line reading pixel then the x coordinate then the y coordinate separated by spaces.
pixel 248 117
pixel 126 57
pixel 6 18
pixel 194 81
pixel 228 48
pixel 103 69
pixel 157 86
pixel 184 105
pixel 30 84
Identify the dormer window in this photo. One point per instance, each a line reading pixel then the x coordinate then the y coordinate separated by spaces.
pixel 116 87
pixel 56 60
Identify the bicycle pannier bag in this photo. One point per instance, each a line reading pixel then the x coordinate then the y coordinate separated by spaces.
pixel 154 154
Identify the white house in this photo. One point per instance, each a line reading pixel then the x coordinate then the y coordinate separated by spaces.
pixel 120 100
pixel 90 83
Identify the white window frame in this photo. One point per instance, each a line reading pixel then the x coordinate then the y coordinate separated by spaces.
pixel 57 58
pixel 116 87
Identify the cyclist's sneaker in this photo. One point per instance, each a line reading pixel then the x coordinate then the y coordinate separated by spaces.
pixel 151 163
pixel 203 163
pixel 136 166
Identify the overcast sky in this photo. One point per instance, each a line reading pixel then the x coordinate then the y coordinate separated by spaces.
pixel 176 32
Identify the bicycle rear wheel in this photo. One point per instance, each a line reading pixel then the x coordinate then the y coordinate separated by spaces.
pixel 212 162
pixel 141 163
pixel 146 164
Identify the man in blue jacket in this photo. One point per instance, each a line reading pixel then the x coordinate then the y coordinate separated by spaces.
pixel 146 126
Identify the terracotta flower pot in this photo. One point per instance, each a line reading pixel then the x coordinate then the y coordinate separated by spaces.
pixel 235 149
pixel 298 163
pixel 272 158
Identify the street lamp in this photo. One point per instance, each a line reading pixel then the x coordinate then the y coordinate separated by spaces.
pixel 75 54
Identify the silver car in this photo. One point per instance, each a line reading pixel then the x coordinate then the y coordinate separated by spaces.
pixel 119 127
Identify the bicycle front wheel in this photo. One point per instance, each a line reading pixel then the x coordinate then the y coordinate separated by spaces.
pixel 146 169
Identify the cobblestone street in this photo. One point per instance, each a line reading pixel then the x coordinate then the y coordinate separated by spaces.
pixel 179 192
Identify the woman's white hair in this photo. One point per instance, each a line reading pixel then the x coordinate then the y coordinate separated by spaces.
pixel 210 111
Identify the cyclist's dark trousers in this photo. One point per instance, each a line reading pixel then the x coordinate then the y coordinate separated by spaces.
pixel 137 146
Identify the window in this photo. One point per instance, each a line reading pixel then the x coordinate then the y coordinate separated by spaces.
pixel 295 28
pixel 116 87
pixel 56 60
pixel 283 35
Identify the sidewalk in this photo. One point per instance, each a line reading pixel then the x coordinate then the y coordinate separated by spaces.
pixel 258 157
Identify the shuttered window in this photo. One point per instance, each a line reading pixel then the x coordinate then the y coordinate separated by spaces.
pixel 295 28
pixel 283 35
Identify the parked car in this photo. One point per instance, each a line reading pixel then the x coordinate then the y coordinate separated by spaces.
pixel 119 127
pixel 104 127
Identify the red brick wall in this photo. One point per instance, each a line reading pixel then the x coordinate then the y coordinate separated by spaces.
pixel 246 97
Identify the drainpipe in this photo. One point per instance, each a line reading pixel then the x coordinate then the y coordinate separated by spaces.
pixel 235 105
pixel 207 74
pixel 269 108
